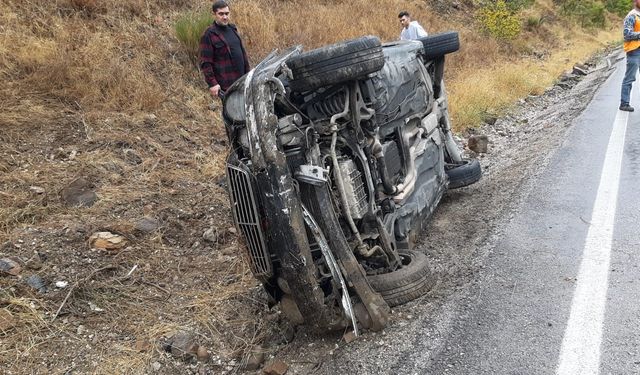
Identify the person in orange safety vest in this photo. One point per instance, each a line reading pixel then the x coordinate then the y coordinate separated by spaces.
pixel 631 34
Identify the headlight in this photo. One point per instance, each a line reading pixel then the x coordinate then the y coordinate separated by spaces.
pixel 234 106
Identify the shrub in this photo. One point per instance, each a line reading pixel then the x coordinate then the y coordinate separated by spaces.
pixel 189 28
pixel 534 22
pixel 619 7
pixel 499 21
pixel 589 13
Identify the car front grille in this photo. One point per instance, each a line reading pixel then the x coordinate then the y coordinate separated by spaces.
pixel 247 218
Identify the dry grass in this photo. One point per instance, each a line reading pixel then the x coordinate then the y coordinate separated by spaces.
pixel 103 90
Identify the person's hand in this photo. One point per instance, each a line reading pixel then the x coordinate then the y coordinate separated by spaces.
pixel 214 90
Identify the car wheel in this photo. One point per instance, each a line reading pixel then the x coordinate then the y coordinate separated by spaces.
pixel 411 281
pixel 336 63
pixel 438 45
pixel 463 174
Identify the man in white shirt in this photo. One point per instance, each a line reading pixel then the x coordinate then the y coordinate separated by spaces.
pixel 410 29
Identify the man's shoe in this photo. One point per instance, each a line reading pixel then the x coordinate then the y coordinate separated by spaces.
pixel 626 107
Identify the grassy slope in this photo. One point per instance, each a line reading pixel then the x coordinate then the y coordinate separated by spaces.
pixel 102 90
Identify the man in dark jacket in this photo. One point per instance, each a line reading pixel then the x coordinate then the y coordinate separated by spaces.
pixel 222 56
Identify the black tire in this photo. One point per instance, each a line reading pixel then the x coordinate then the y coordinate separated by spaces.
pixel 438 45
pixel 406 284
pixel 336 63
pixel 464 174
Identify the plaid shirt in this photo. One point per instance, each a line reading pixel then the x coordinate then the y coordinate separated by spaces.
pixel 215 58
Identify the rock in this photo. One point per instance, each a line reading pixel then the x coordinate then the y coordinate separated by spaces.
pixel 107 241
pixel 580 70
pixel 81 329
pixel 202 354
pixel 35 263
pixel 166 139
pixel 131 157
pixel 156 366
pixel 183 345
pixel 79 193
pixel 36 282
pixel 349 337
pixel 7 321
pixel 37 189
pixel 150 120
pixel 210 235
pixel 276 367
pixel 61 284
pixel 478 143
pixel 491 120
pixel 232 231
pixel 147 224
pixel 290 309
pixel 255 359
pixel 142 345
pixel 10 266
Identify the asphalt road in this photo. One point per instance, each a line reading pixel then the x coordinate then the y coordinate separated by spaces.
pixel 560 291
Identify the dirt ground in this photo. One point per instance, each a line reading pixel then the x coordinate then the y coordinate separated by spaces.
pixel 173 294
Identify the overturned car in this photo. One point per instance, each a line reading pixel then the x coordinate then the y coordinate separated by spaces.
pixel 338 156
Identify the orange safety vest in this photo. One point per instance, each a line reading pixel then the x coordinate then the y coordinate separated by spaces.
pixel 630 45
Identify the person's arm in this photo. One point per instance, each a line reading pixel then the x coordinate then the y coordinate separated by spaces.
pixel 206 64
pixel 627 31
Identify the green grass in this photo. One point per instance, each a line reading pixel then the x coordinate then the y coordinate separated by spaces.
pixel 189 29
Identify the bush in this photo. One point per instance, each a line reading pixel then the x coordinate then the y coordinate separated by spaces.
pixel 619 7
pixel 589 13
pixel 189 28
pixel 499 21
pixel 533 23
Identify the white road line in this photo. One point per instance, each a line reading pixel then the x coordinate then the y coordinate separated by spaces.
pixel 580 352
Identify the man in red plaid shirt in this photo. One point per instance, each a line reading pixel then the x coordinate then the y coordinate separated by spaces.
pixel 222 56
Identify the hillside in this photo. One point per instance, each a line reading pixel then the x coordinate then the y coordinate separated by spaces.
pixel 106 126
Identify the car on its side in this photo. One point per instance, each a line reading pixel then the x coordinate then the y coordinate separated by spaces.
pixel 338 157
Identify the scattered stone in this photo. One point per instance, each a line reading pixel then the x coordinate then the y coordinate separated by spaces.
pixel 150 120
pixel 491 120
pixel 276 367
pixel 7 321
pixel 10 266
pixel 94 307
pixel 81 329
pixel 290 309
pixel 107 241
pixel 132 157
pixel 580 69
pixel 36 282
pixel 35 263
pixel 349 337
pixel 478 143
pixel 210 235
pixel 37 189
pixel 183 345
pixel 147 224
pixel 79 193
pixel 564 85
pixel 255 359
pixel 202 354
pixel 61 284
pixel 232 230
pixel 156 366
pixel 142 345
pixel 166 139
